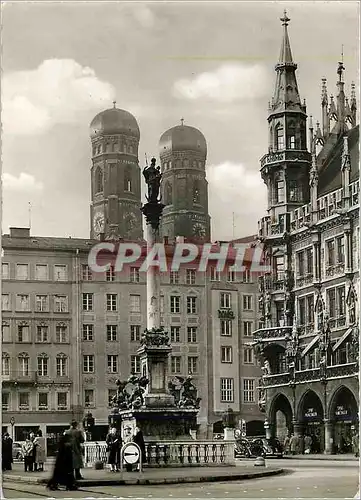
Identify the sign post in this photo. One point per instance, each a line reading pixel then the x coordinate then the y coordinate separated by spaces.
pixel 12 422
pixel 130 454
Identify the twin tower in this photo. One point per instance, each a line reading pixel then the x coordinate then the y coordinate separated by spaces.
pixel 116 180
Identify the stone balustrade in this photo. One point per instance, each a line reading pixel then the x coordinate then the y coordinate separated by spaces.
pixel 171 453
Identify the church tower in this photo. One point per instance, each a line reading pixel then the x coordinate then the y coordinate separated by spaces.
pixel 183 154
pixel 115 176
pixel 285 169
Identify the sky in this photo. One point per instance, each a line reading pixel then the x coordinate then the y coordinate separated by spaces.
pixel 211 63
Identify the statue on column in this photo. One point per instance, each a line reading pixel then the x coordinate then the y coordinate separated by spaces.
pixel 153 177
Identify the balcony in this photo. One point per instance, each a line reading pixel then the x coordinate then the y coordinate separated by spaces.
pixel 336 323
pixel 225 313
pixel 289 156
pixel 19 378
pixel 305 280
pixel 273 333
pixel 346 370
pixel 276 379
pixel 335 270
pixel 306 329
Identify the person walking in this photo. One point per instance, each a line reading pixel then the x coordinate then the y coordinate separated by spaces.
pixel 308 444
pixel 28 454
pixel 356 445
pixel 77 440
pixel 114 444
pixel 293 444
pixel 7 452
pixel 286 445
pixel 63 473
pixel 139 440
pixel 39 445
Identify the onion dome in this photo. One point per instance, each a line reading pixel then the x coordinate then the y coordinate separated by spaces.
pixel 114 121
pixel 182 138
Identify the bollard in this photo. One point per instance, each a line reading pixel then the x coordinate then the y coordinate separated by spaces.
pixel 260 462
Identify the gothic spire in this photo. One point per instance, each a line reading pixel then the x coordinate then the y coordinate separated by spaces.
pixel 286 53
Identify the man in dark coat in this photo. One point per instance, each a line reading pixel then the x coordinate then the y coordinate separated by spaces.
pixel 63 474
pixel 7 452
pixel 77 439
pixel 138 439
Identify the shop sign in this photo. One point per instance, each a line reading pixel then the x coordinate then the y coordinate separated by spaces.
pixel 311 413
pixel 341 411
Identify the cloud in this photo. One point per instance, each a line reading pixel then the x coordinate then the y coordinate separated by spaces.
pixel 24 183
pixel 56 92
pixel 234 189
pixel 230 82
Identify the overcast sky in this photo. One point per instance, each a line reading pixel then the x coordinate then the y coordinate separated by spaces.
pixel 211 63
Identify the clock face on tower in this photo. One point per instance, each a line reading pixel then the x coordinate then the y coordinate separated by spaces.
pixel 199 230
pixel 98 222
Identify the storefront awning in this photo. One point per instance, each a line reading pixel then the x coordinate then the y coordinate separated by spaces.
pixel 344 337
pixel 310 345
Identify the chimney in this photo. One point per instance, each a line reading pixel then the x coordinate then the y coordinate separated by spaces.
pixel 19 232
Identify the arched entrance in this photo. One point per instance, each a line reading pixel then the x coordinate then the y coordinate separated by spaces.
pixel 311 415
pixel 343 413
pixel 280 417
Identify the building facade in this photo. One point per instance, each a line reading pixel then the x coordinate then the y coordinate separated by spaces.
pixel 309 342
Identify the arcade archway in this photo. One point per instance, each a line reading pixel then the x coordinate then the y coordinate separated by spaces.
pixel 343 413
pixel 280 416
pixel 311 414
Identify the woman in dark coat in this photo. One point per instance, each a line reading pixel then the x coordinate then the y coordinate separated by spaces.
pixel 7 452
pixel 139 440
pixel 63 473
pixel 114 444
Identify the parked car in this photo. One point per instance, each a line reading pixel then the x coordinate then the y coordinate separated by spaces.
pixel 259 447
pixel 17 451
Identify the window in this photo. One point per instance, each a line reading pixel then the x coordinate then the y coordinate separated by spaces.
pixel 22 271
pixel 135 333
pixel 112 331
pixel 175 304
pixel 248 355
pixel 5 400
pixel 111 395
pixel 279 266
pixel 86 273
pixel 225 300
pixel 191 305
pixel 231 275
pixel 175 364
pixel 280 138
pixel 98 177
pixel 43 366
pixel 24 399
pixel 135 364
pixel 331 302
pixel 22 303
pixel 42 303
pixel 306 309
pixel 247 328
pixel 341 305
pixel 227 390
pixel 214 274
pixel 42 333
pixel 112 363
pixel 6 333
pixel 88 333
pixel 62 398
pixel 5 271
pixel 43 400
pixel 5 302
pixel 61 365
pixel 134 274
pixel 60 273
pixel 247 276
pixel 340 245
pixel 247 302
pixel 87 301
pixel 292 139
pixel 174 277
pixel 295 191
pixel 5 364
pixel 248 390
pixel 226 327
pixel 175 334
pixel 128 176
pixel 61 331
pixel 192 334
pixel 309 261
pixel 41 272
pixel 330 246
pixel 301 263
pixel 88 363
pixel 280 192
pixel 226 354
pixel 192 364
pixel 111 302
pixel 135 303
pixel 191 276
pixel 23 333
pixel 260 325
pixel 89 398
pixel 23 364
pixel 61 303
pixel 110 274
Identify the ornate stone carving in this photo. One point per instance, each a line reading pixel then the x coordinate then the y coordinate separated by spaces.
pixel 156 337
pixel 130 393
pixel 88 380
pixel 184 392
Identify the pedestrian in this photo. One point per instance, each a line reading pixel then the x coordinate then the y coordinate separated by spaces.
pixel 301 445
pixel 293 444
pixel 28 454
pixel 114 444
pixel 356 445
pixel 39 445
pixel 286 445
pixel 7 452
pixel 139 440
pixel 63 473
pixel 308 444
pixel 77 440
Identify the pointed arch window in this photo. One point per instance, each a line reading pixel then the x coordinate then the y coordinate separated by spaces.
pixel 99 180
pixel 5 364
pixel 196 192
pixel 280 140
pixel 127 180
pixel 61 365
pixel 23 360
pixel 43 365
